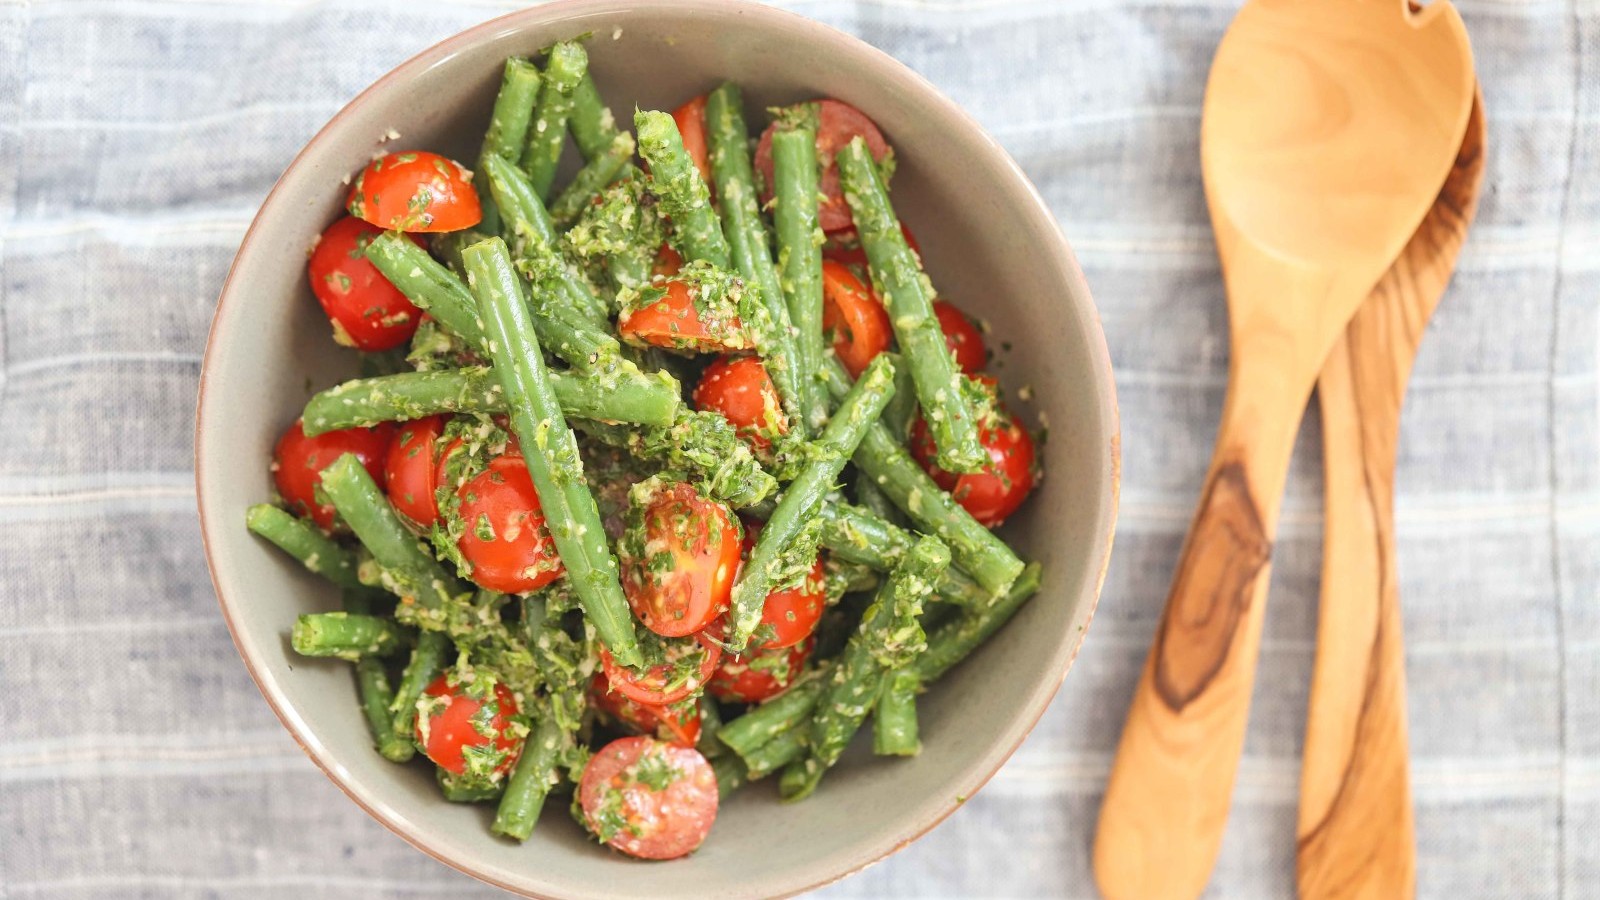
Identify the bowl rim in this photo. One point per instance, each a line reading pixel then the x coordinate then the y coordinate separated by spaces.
pixel 440 53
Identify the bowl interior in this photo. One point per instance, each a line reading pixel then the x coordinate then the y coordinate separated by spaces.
pixel 989 244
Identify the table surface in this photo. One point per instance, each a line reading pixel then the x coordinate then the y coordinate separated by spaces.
pixel 138 136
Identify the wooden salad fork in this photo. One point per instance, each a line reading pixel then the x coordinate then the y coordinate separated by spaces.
pixel 1327 131
pixel 1356 827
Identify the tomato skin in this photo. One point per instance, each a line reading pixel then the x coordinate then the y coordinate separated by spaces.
pixel 521 554
pixel 666 723
pixel 446 731
pixel 993 494
pixel 367 312
pixel 674 323
pixel 415 191
pixel 298 461
pixel 860 324
pixel 668 262
pixel 737 681
pixel 739 388
pixel 642 820
pixel 837 123
pixel 703 540
pixel 793 613
pixel 962 336
pixel 650 687
pixel 410 470
pixel 691 119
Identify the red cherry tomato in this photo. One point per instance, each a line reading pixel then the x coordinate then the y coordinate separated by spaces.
pixel 653 686
pixel 674 323
pixel 648 799
pixel 691 119
pixel 699 539
pixel 759 675
pixel 859 323
pixel 962 336
pixel 845 247
pixel 792 613
pixel 415 191
pixel 994 493
pixel 506 539
pixel 367 312
pixel 298 461
pixel 411 472
pixel 461 721
pixel 739 388
pixel 837 123
pixel 668 263
pixel 677 724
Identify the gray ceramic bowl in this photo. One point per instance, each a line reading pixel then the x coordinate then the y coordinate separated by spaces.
pixel 989 242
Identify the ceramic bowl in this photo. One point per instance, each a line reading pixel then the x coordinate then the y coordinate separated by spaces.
pixel 989 242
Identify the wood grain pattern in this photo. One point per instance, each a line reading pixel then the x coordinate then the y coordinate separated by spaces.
pixel 1356 828
pixel 1328 129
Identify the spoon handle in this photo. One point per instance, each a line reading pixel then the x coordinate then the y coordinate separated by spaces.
pixel 1167 800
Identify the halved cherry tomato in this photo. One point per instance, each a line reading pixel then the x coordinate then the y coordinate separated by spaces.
pixel 668 263
pixel 792 613
pixel 415 191
pixel 506 539
pixel 677 724
pixel 845 247
pixel 739 388
pixel 674 323
pixel 678 560
pixel 759 675
pixel 367 312
pixel 411 471
pixel 961 336
pixel 691 119
pixel 994 493
pixel 653 686
pixel 859 323
pixel 837 123
pixel 471 715
pixel 648 799
pixel 298 461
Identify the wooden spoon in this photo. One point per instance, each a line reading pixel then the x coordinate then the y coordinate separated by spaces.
pixel 1328 129
pixel 1355 796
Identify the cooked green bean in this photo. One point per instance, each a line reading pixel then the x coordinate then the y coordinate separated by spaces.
pixel 428 659
pixel 696 233
pixel 532 236
pixel 592 124
pixel 565 70
pixel 531 780
pixel 894 721
pixel 954 642
pixel 762 723
pixel 305 542
pixel 344 635
pixel 586 186
pixel 513 109
pixel 794 215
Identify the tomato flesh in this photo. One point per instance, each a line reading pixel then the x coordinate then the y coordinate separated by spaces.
pixel 411 472
pixel 677 724
pixel 653 686
pixel 298 461
pixel 674 323
pixel 454 716
pixel 506 541
pixel 993 494
pixel 962 336
pixel 759 675
pixel 678 560
pixel 415 191
pixel 858 321
pixel 648 799
pixel 837 124
pixel 668 262
pixel 691 119
pixel 367 312
pixel 739 388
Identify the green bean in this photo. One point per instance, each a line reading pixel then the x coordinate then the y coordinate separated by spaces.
pixel 565 70
pixel 751 252
pixel 774 553
pixel 640 398
pixel 426 283
pixel 466 788
pixel 783 749
pixel 344 635
pixel 305 542
pixel 840 577
pixel 710 724
pixel 590 180
pixel 410 571
pixel 513 109
pixel 909 298
pixel 794 215
pixel 977 550
pixel 894 722
pixel 762 723
pixel 549 448
pixel 592 124
pixel 447 247
pixel 855 534
pixel 372 686
pixel 730 775
pixel 427 661
pixel 954 642
pixel 685 199
pixel 902 410
pixel 874 501
pixel 531 780
pixel 532 235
